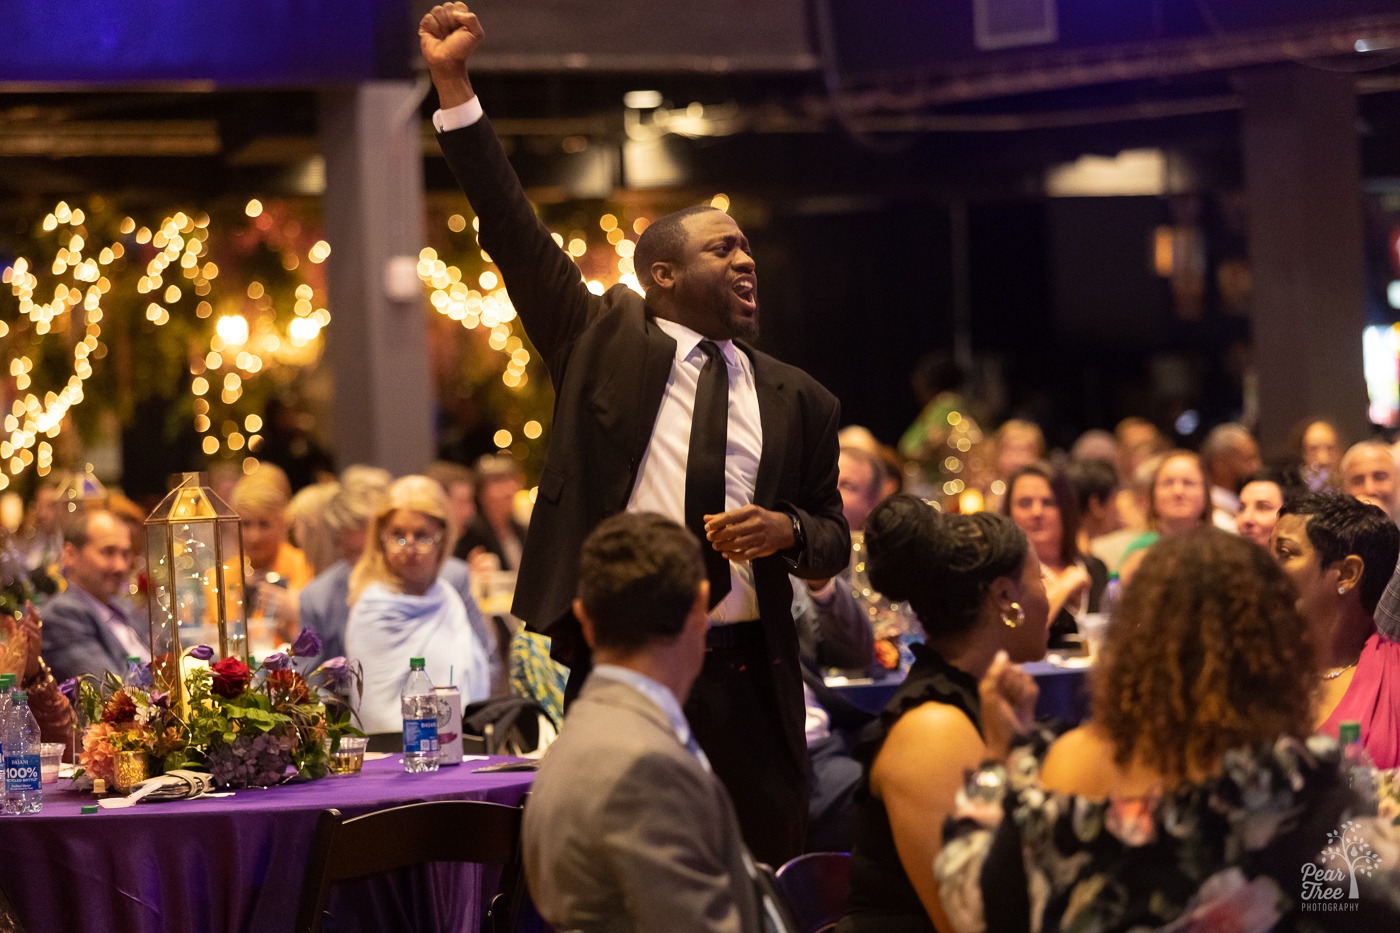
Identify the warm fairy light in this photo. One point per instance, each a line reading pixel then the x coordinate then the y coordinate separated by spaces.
pixel 199 385
pixel 254 208
pixel 320 251
pixel 640 224
pixel 233 328
pixel 488 280
pixel 607 223
pixel 533 430
pixel 303 330
pixel 252 424
pixel 720 202
pixel 502 438
pixel 249 464
pixel 211 445
pixel 456 223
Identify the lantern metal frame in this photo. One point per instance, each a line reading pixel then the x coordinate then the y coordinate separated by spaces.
pixel 194 548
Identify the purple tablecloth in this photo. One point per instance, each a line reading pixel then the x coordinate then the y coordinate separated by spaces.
pixel 228 865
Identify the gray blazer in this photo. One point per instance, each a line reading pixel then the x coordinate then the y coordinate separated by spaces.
pixel 77 642
pixel 626 830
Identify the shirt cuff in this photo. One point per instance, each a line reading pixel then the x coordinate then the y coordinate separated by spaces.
pixel 458 117
pixel 824 596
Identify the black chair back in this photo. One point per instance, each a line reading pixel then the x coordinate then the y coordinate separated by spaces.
pixel 815 887
pixel 415 834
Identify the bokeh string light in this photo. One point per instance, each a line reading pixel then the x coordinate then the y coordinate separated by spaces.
pixel 174 277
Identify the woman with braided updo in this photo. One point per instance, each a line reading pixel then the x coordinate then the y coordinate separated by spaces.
pixel 1193 797
pixel 975 585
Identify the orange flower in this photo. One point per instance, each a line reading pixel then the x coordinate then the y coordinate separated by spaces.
pixel 98 757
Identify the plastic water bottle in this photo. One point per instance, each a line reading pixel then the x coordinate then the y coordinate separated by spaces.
pixel 1357 765
pixel 419 705
pixel 132 677
pixel 23 792
pixel 7 686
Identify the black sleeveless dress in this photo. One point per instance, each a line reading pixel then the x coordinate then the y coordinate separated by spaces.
pixel 882 900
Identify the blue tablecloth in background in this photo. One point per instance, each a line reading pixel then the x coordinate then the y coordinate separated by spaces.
pixel 1063 691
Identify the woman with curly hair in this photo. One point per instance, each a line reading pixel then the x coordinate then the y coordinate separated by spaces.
pixel 975 585
pixel 1339 552
pixel 1192 798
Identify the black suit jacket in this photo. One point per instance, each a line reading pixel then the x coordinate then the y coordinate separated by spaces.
pixel 609 362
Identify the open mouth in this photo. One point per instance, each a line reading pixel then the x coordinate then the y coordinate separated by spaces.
pixel 746 290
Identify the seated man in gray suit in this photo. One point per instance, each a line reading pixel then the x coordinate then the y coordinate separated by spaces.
pixel 89 627
pixel 627 828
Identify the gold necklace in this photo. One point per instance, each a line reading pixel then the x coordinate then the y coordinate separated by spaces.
pixel 1338 672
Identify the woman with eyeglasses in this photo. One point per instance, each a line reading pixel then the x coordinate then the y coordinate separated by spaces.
pixel 399 609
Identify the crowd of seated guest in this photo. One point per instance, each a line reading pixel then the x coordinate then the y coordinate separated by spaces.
pixel 371 564
pixel 1151 814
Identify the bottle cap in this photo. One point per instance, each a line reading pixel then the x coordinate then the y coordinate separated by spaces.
pixel 415 664
pixel 90 808
pixel 1349 731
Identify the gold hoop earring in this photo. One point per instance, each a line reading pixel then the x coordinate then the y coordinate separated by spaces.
pixel 1014 616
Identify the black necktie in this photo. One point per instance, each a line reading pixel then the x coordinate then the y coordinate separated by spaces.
pixel 704 467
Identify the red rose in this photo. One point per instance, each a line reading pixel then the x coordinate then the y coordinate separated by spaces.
pixel 231 677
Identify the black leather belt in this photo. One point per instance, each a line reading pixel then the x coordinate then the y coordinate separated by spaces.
pixel 733 635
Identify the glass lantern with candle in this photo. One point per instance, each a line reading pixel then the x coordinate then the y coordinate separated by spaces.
pixel 194 558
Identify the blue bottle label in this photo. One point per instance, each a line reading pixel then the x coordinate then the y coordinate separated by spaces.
pixel 420 736
pixel 21 773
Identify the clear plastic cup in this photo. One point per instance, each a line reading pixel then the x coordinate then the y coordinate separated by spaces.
pixel 349 758
pixel 1093 626
pixel 50 757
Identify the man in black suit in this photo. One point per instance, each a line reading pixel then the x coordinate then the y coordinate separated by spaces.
pixel 639 384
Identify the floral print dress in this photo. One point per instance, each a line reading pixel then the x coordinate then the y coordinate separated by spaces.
pixel 1275 842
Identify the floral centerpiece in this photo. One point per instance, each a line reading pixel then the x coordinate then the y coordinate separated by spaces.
pixel 247 727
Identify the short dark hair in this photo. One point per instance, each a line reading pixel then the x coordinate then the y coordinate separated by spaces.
pixel 1092 479
pixel 941 564
pixel 1339 525
pixel 662 241
pixel 638 576
pixel 75 526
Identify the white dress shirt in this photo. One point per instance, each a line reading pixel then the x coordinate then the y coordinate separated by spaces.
pixel 660 483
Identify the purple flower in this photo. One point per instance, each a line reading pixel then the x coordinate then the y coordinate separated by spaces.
pixel 160 700
pixel 69 688
pixel 201 652
pixel 308 644
pixel 334 673
pixel 277 661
